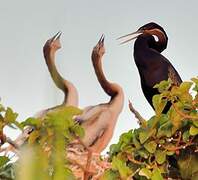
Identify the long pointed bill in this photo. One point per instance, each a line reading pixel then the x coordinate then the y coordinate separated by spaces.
pixel 129 37
pixel 101 40
pixel 57 36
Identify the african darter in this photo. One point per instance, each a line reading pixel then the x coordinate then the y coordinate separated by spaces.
pixel 153 67
pixel 99 121
pixel 69 90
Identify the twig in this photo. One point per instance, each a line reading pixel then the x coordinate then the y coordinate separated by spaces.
pixel 15 145
pixel 179 138
pixel 178 147
pixel 133 160
pixel 141 121
pixel 138 169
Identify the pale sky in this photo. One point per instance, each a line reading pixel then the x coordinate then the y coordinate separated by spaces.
pixel 26 85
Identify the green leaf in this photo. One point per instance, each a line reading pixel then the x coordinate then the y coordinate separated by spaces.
pixel 17 124
pixel 165 130
pixel 175 118
pixel 163 119
pixel 195 122
pixel 159 103
pixel 33 136
pixel 156 175
pixel 143 136
pixel 120 166
pixel 143 153
pixel 185 136
pixel 136 143
pixel 193 131
pixel 63 112
pixel 162 141
pixel 110 175
pixel 163 85
pixel 3 160
pixel 145 172
pixel 150 146
pixel 10 116
pixel 128 148
pixel 160 156
pixel 114 149
pixel 2 109
pixel 78 130
pixel 185 86
pixel 126 137
pixel 32 122
pixel 170 153
pixel 195 80
pixel 67 174
pixel 67 134
pixel 7 172
pixel 156 101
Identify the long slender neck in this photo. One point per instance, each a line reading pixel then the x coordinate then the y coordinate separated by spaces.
pixel 57 78
pixel 110 88
pixel 142 50
pixel 70 92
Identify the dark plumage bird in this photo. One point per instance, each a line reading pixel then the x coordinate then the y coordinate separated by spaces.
pixel 153 67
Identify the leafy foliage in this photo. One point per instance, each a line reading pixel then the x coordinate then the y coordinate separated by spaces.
pixel 168 145
pixel 7 118
pixel 44 155
pixel 51 134
pixel 165 146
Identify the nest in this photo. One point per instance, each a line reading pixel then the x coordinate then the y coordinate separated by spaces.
pixel 85 164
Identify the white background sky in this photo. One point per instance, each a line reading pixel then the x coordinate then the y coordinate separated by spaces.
pixel 25 83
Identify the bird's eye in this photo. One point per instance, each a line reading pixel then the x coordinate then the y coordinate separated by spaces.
pixel 156 38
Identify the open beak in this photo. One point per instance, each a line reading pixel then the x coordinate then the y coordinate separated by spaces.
pixel 129 37
pixel 101 40
pixel 57 36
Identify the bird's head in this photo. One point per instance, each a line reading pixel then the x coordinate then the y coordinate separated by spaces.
pixel 52 44
pixel 99 49
pixel 149 28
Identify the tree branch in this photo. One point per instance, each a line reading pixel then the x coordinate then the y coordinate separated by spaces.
pixel 141 120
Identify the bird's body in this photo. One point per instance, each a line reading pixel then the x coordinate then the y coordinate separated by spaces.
pixel 99 121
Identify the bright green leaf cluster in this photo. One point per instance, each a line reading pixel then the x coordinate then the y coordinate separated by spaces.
pixel 51 134
pixel 8 118
pixel 149 152
pixel 44 156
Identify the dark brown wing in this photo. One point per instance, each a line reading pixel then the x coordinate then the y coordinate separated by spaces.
pixel 174 76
